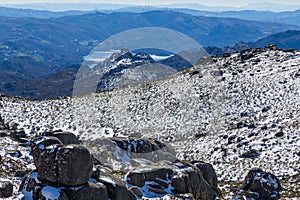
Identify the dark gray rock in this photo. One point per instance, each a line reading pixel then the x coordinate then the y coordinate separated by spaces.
pixel 250 154
pixel 187 196
pixel 279 134
pixel 90 191
pixel 208 172
pixel 17 134
pixel 25 142
pixel 74 165
pixel 262 185
pixel 273 47
pixel 6 189
pixel 41 144
pixel 31 185
pixel 3 133
pixel 12 125
pixel 61 165
pixel 34 188
pixel 119 148
pixel 116 188
pixel 178 178
pixel 44 152
pixel 140 177
pixel 136 191
pixel 67 137
pixel 3 126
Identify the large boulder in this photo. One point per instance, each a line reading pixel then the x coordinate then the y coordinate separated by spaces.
pixel 61 165
pixel 34 188
pixel 74 165
pixel 262 185
pixel 44 151
pixel 176 179
pixel 208 172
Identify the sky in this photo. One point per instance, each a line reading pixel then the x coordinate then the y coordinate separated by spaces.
pixel 233 3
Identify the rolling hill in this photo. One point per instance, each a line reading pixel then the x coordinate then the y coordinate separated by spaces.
pixel 64 41
pixel 43 14
pixel 285 40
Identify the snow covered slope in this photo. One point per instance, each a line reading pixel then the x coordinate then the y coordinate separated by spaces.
pixel 238 112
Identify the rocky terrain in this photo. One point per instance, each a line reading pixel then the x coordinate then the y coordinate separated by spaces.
pixel 238 113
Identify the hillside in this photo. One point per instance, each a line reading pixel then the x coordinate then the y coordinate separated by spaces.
pixel 238 113
pixel 288 17
pixel 29 13
pixel 63 41
pixel 285 40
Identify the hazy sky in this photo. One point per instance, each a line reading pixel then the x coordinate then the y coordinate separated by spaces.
pixel 234 3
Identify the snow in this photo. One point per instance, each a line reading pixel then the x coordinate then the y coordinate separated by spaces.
pixel 158 58
pixel 108 180
pixel 50 193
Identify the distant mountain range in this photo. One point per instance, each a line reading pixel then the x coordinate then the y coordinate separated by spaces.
pixel 30 13
pixel 63 39
pixel 114 6
pixel 31 48
pixel 285 40
pixel 289 17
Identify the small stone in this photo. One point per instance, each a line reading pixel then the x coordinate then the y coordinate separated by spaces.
pixel 16 134
pixel 6 189
pixel 262 185
pixel 14 153
pixel 250 154
pixel 90 191
pixel 279 134
pixel 116 188
pixel 136 191
pixel 52 193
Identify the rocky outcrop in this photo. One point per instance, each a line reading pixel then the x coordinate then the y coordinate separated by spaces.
pixel 262 185
pixel 62 170
pixel 69 172
pixel 34 188
pixel 62 165
pixel 176 178
pixel 125 153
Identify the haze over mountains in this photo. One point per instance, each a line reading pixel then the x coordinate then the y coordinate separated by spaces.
pixel 289 17
pixel 114 6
